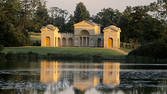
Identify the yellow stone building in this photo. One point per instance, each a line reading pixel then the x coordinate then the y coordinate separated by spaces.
pixel 86 34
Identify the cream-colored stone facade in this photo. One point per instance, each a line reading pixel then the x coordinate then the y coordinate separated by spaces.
pixel 86 34
pixel 112 37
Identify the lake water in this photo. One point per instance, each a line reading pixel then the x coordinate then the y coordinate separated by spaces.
pixel 63 77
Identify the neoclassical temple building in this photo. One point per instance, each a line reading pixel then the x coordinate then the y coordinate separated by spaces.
pixel 86 34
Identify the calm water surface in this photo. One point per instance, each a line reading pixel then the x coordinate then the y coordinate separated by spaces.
pixel 60 77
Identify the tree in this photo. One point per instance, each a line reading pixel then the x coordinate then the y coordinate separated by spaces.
pixel 27 14
pixel 124 23
pixel 151 30
pixel 162 9
pixel 71 22
pixel 134 23
pixel 41 17
pixel 155 49
pixel 59 18
pixel 81 13
pixel 11 32
pixel 107 17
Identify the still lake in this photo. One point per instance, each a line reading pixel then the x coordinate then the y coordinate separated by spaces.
pixel 73 77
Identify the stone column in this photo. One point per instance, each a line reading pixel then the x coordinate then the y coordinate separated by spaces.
pixel 77 42
pixel 88 41
pixel 82 41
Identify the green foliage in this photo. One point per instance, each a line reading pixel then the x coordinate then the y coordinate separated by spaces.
pixel 107 17
pixel 12 36
pixel 37 43
pixel 41 17
pixel 162 6
pixel 1 48
pixel 151 30
pixel 59 18
pixel 156 49
pixel 70 24
pixel 12 32
pixel 81 13
pixel 137 25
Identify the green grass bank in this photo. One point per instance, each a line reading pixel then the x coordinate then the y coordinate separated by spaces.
pixel 73 51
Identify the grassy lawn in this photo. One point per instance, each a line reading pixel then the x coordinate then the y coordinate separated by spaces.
pixel 107 53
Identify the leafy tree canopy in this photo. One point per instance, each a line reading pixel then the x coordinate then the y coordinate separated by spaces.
pixel 81 13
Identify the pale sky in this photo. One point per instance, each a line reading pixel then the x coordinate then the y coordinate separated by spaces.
pixel 95 6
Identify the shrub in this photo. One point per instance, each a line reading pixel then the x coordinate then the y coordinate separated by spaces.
pixel 1 48
pixel 37 43
pixel 156 49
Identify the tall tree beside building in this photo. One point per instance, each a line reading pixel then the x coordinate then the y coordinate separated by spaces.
pixel 71 22
pixel 41 17
pixel 124 23
pixel 107 17
pixel 81 13
pixel 59 18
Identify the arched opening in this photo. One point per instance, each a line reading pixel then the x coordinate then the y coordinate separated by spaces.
pixel 99 43
pixel 64 42
pixel 84 33
pixel 70 42
pixel 110 43
pixel 84 38
pixel 59 42
pixel 47 41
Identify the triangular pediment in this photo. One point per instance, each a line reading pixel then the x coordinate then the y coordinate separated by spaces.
pixel 111 28
pixel 87 23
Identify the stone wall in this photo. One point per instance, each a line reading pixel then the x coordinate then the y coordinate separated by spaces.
pixel 86 34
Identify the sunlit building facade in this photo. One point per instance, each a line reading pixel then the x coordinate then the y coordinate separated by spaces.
pixel 86 34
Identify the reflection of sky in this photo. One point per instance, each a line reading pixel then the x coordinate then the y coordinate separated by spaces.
pixel 85 77
pixel 95 6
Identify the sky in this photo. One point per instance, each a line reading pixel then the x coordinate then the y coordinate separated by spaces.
pixel 95 6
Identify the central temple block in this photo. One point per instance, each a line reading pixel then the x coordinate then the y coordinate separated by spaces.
pixel 86 34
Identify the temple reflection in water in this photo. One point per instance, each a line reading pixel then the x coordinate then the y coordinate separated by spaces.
pixel 82 76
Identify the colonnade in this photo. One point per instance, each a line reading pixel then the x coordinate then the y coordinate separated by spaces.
pixel 84 41
pixel 63 42
pixel 69 42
